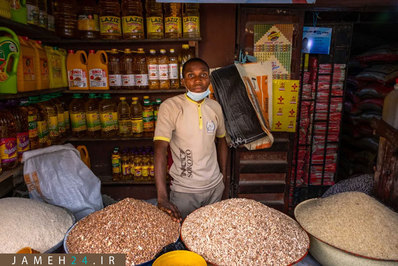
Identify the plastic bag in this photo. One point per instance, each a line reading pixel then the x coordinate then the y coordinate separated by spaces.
pixel 56 175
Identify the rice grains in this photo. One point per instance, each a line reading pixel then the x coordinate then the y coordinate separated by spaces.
pixel 352 221
pixel 244 232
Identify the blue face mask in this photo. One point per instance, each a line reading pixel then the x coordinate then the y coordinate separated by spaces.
pixel 198 96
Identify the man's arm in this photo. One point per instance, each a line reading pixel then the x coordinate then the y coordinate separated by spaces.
pixel 222 155
pixel 160 179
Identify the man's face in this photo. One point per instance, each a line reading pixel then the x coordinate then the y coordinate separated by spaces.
pixel 196 77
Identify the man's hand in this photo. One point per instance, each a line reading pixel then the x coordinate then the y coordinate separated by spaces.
pixel 170 209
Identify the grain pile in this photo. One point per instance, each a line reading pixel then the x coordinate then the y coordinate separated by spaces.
pixel 132 227
pixel 31 223
pixel 352 221
pixel 244 232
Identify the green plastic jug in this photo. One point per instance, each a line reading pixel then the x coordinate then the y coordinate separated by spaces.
pixel 9 57
pixel 19 11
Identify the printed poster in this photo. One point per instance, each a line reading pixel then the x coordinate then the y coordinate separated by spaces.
pixel 316 40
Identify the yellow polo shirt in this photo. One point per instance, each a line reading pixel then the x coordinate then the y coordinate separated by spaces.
pixel 191 129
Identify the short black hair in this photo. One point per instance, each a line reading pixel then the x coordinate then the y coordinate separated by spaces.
pixel 194 60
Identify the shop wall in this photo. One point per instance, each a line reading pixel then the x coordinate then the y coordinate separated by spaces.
pixel 218 26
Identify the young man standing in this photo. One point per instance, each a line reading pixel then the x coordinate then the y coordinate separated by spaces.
pixel 190 124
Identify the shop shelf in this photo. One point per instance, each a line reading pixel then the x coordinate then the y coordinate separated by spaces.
pixel 116 138
pixel 30 93
pixel 117 41
pixel 126 91
pixel 10 173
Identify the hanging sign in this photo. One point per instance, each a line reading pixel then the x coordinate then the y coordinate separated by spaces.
pixel 316 40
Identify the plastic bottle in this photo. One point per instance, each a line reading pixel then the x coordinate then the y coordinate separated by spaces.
pixel 42 127
pixel 92 116
pixel 60 114
pixel 163 59
pixel 110 26
pixel 10 51
pixel 51 116
pixel 141 70
pixel 156 109
pixel 32 112
pixel 57 67
pixel 136 114
pixel 153 70
pixel 127 63
pixel 126 171
pixel 42 62
pixel 77 116
pixel 65 18
pixel 8 140
pixel 137 167
pixel 185 55
pixel 115 71
pixel 33 11
pixel 116 165
pixel 108 116
pixel 151 167
pixel 132 19
pixel 21 122
pixel 154 19
pixel 50 16
pixel 28 68
pixel 43 16
pixel 173 70
pixel 124 118
pixel 390 107
pixel 147 117
pixel 145 167
pixel 172 20
pixel 131 163
pixel 66 114
pixel 88 20
pixel 18 11
pixel 191 20
pixel 97 65
pixel 76 64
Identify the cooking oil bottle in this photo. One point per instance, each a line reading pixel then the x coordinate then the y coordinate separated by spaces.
pixel 60 114
pixel 114 69
pixel 132 19
pixel 97 65
pixel 32 124
pixel 110 26
pixel 51 116
pixel 154 19
pixel 43 17
pixel 28 69
pixel 141 70
pixel 116 165
pixel 42 127
pixel 42 61
pixel 191 20
pixel 92 116
pixel 88 20
pixel 76 64
pixel 127 63
pixel 163 59
pixel 136 118
pixel 124 118
pixel 21 119
pixel 77 116
pixel 8 140
pixel 65 18
pixel 153 70
pixel 137 167
pixel 32 12
pixel 173 70
pixel 126 170
pixel 172 20
pixel 108 116
pixel 147 117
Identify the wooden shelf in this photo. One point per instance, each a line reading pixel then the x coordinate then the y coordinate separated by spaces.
pixel 10 173
pixel 118 41
pixel 116 138
pixel 107 180
pixel 4 96
pixel 33 32
pixel 125 91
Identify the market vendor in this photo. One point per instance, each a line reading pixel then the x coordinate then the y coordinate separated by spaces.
pixel 190 124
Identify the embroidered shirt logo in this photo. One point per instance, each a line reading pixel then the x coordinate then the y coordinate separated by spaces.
pixel 210 127
pixel 186 163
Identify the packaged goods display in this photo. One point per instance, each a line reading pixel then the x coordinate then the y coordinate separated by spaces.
pixel 191 20
pixel 10 50
pixel 77 116
pixel 137 118
pixel 110 24
pixel 132 19
pixel 88 20
pixel 172 20
pixel 173 70
pixel 154 19
pixel 8 139
pixel 153 70
pixel 97 66
pixel 76 64
pixel 92 116
pixel 32 12
pixel 124 118
pixel 115 69
pixel 65 18
pixel 164 77
pixel 108 116
pixel 127 67
pixel 141 74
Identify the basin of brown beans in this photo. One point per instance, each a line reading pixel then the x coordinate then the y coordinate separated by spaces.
pixel 132 227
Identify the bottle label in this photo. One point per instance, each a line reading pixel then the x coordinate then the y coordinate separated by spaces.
pixel 126 169
pixel 67 121
pixel 133 24
pixel 141 80
pixel 93 122
pixel 145 171
pixel 22 142
pixel 110 25
pixel 28 68
pixel 191 24
pixel 44 68
pixel 8 150
pixel 173 71
pixel 147 117
pixel 53 126
pixel 108 121
pixel 116 164
pixel 137 171
pixel 98 78
pixel 32 126
pixel 43 19
pixel 153 72
pixel 154 25
pixel 125 126
pixel 172 25
pixel 32 14
pixel 152 170
pixel 128 80
pixel 163 71
pixel 78 121
pixel 77 78
pixel 115 80
pixel 61 123
pixel 138 126
pixel 42 131
pixel 87 22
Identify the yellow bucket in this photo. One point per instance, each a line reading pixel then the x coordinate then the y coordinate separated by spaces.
pixel 180 258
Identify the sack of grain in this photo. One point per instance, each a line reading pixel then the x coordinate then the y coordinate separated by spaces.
pixel 354 222
pixel 30 223
pixel 132 227
pixel 244 232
